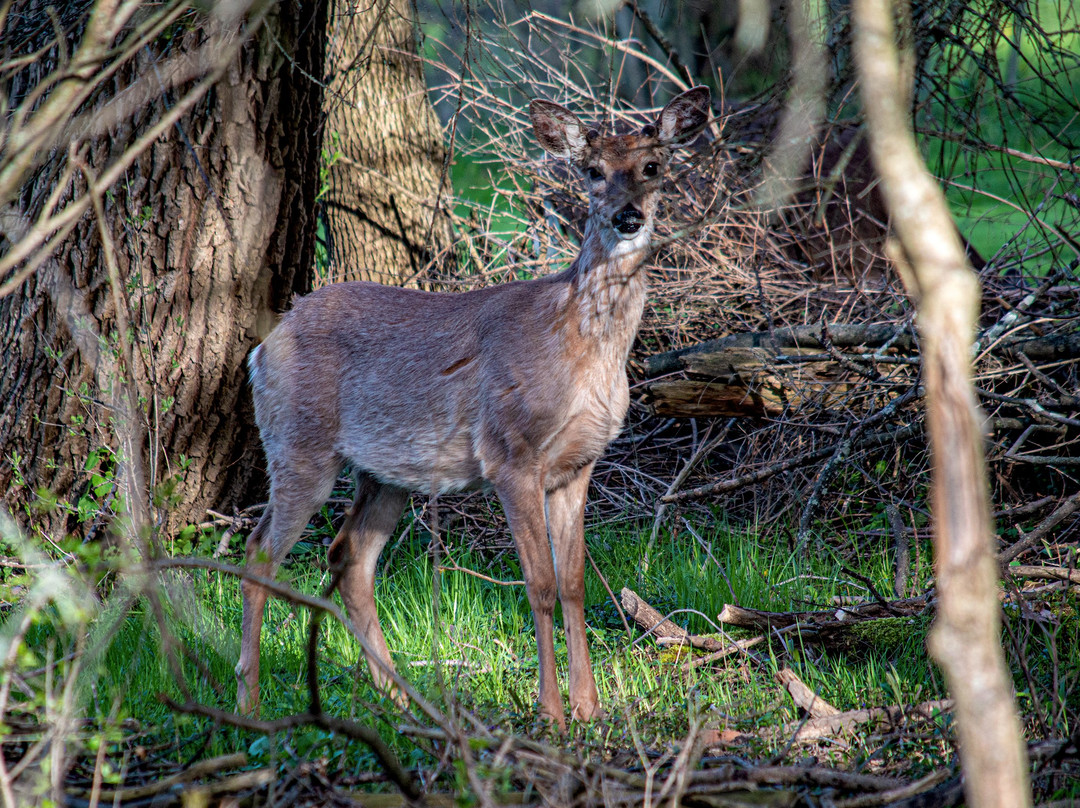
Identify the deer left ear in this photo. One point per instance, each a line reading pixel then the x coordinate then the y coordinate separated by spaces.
pixel 684 117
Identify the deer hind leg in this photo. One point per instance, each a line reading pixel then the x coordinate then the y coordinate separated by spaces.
pixel 294 497
pixel 355 553
pixel 566 524
pixel 523 500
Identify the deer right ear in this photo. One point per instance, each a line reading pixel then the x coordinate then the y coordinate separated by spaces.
pixel 558 130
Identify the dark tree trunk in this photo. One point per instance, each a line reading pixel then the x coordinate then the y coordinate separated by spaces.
pixel 214 230
pixel 385 201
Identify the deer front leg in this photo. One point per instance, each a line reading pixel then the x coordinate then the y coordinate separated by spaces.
pixel 566 523
pixel 522 498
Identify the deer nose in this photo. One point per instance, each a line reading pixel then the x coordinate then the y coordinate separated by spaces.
pixel 628 220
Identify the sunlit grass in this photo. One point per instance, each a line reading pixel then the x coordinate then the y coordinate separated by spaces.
pixel 486 645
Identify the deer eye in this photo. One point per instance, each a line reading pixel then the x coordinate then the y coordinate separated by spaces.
pixel 595 174
pixel 651 169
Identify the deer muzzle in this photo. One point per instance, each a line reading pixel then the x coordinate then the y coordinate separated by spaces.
pixel 628 221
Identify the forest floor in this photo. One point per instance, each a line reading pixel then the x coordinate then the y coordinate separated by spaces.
pixel 803 713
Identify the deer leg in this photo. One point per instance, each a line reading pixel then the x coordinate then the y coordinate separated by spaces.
pixel 254 598
pixel 523 501
pixel 291 506
pixel 355 550
pixel 566 524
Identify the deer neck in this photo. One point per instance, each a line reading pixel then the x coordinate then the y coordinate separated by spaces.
pixel 609 286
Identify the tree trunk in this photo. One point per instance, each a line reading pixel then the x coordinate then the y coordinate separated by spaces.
pixel 213 231
pixel 966 638
pixel 386 197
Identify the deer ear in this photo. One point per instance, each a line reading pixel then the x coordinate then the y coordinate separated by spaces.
pixel 558 130
pixel 684 117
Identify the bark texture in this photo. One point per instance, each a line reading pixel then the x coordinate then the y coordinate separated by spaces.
pixel 213 228
pixel 965 639
pixel 385 149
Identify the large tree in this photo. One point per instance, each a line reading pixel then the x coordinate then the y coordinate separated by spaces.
pixel 386 195
pixel 172 154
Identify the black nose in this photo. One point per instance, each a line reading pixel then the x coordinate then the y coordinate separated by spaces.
pixel 628 220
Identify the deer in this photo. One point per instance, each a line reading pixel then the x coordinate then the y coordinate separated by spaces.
pixel 517 388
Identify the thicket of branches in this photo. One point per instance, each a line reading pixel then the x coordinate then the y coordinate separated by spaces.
pixel 830 426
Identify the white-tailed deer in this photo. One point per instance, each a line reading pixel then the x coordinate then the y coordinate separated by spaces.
pixel 519 387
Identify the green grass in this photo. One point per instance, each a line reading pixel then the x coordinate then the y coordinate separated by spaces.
pixel 487 648
pixel 998 198
pixel 487 637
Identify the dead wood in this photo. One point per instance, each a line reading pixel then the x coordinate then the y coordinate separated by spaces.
pixel 716 357
pixel 1062 512
pixel 846 615
pixel 903 794
pixel 742 481
pixel 842 723
pixel 769 373
pixel 734 647
pixel 805 698
pixel 188 780
pixel 1047 572
pixel 658 626
pixel 846 627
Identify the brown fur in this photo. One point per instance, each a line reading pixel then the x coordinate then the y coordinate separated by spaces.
pixel 518 387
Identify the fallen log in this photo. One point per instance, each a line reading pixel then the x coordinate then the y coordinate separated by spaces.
pixel 841 723
pixel 659 626
pixel 871 610
pixel 868 624
pixel 805 698
pixel 736 350
pixel 764 374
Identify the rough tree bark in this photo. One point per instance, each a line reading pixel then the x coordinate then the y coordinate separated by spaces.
pixel 965 639
pixel 213 231
pixel 385 144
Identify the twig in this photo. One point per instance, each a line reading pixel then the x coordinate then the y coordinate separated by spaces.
pixel 1063 511
pixel 199 769
pixel 903 547
pixel 611 595
pixel 873 590
pixel 350 729
pixel 901 796
pixel 844 362
pixel 661 40
pixel 703 448
pixel 734 647
pixel 761 475
pixel 1049 573
pixel 480 575
pixel 843 448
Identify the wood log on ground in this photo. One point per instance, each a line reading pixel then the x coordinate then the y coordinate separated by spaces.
pixel 659 626
pixel 867 625
pixel 843 723
pixel 763 374
pixel 767 621
pixel 805 698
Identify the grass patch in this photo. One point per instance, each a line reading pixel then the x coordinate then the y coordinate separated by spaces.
pixel 487 647
pixel 487 653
